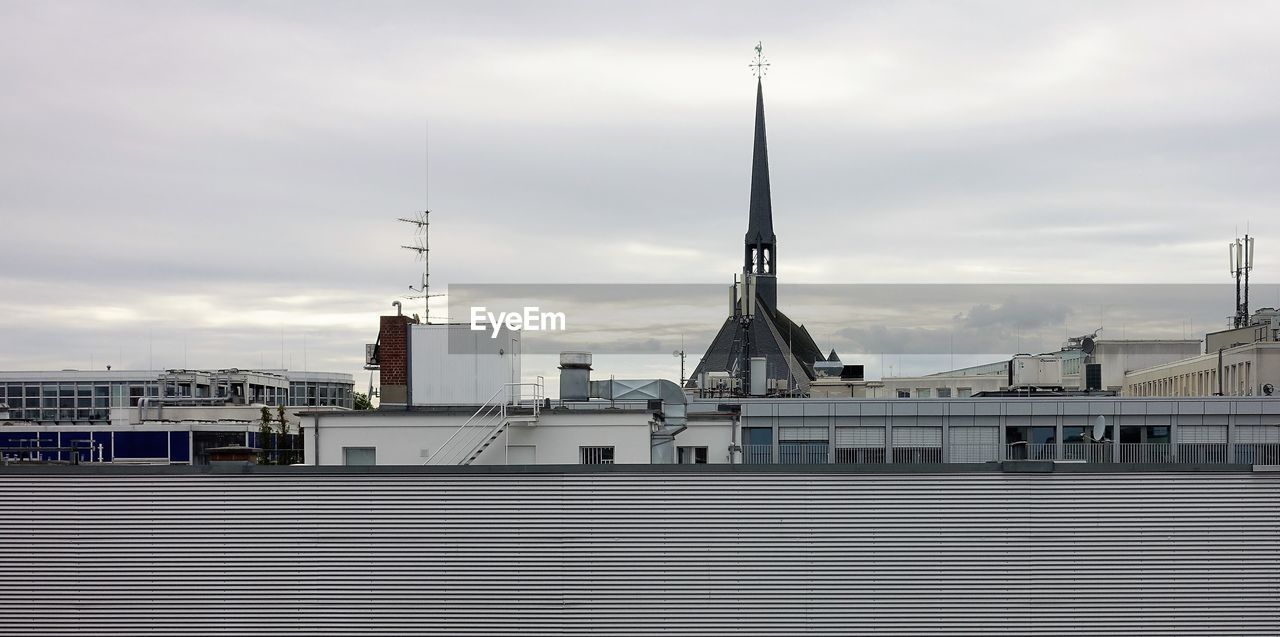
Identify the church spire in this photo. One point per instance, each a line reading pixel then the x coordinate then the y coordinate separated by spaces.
pixel 760 256
pixel 760 226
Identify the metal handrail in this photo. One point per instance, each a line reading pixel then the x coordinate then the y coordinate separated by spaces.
pixel 517 396
pixel 488 418
pixel 483 407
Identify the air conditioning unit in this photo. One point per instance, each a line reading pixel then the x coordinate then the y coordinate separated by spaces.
pixel 1040 372
pixel 719 380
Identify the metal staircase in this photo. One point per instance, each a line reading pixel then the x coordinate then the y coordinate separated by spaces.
pixel 511 403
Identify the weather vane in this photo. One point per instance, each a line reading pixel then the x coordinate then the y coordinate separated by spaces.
pixel 760 65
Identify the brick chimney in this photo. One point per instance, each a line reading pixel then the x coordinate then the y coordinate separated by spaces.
pixel 393 359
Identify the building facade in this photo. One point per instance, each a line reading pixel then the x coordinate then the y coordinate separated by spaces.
pixel 1099 430
pixel 74 397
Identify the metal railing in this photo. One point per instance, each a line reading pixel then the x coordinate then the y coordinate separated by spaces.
pixel 803 453
pixel 1258 453
pixel 973 452
pixel 1031 451
pixel 860 455
pixel 1146 452
pixel 1091 452
pixel 1204 452
pixel 482 428
pixel 757 454
pixel 1087 452
pixel 917 455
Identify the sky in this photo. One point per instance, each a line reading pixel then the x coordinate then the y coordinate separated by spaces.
pixel 216 184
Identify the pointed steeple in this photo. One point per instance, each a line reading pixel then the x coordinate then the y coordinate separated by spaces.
pixel 760 225
pixel 760 254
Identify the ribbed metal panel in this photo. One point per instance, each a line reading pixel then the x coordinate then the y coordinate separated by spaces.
pixel 1258 433
pixel 643 552
pixel 1202 433
pixel 803 433
pixel 917 436
pixel 860 436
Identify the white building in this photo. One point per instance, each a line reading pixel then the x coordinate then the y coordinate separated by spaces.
pixel 1116 358
pixel 77 397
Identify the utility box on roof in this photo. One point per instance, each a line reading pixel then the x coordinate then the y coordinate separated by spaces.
pixel 1035 372
pixel 456 365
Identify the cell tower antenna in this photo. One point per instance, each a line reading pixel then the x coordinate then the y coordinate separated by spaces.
pixel 422 246
pixel 1240 256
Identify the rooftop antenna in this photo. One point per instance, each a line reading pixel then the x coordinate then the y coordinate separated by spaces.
pixel 680 353
pixel 421 222
pixel 1240 257
pixel 1099 428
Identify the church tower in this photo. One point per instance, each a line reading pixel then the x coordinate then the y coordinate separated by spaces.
pixel 761 249
pixel 757 338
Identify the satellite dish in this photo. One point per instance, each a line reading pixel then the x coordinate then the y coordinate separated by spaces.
pixel 1267 389
pixel 1087 346
pixel 1099 427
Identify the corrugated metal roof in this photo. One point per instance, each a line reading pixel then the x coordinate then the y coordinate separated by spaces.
pixel 627 552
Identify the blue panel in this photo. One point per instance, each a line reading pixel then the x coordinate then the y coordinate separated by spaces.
pixel 253 439
pixel 179 449
pixel 103 438
pixel 48 439
pixel 18 440
pixel 142 444
pixel 74 439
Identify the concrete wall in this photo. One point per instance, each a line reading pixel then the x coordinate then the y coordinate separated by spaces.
pixel 557 437
pixel 953 426
pixel 409 438
pixel 1245 371
pixel 714 435
pixel 1119 357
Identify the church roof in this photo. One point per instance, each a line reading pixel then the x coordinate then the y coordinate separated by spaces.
pixel 788 348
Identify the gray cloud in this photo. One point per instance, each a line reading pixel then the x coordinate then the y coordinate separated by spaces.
pixel 164 163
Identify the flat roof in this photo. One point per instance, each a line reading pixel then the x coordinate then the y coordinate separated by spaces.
pixel 1013 466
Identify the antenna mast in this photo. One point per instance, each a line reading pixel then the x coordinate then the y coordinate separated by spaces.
pixel 423 250
pixel 1240 254
pixel 422 222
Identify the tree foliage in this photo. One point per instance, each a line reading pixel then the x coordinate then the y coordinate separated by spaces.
pixel 264 435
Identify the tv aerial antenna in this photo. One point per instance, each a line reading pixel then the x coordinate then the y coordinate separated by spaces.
pixel 422 232
pixel 422 248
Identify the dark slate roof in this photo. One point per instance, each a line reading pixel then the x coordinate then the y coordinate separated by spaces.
pixel 832 358
pixel 772 335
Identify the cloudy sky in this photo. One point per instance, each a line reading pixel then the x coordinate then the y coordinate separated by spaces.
pixel 216 184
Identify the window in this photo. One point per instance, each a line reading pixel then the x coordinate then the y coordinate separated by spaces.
pixel 596 455
pixel 757 445
pixel 691 455
pixel 924 392
pixel 964 392
pixel 944 392
pixel 904 393
pixel 803 445
pixel 359 456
